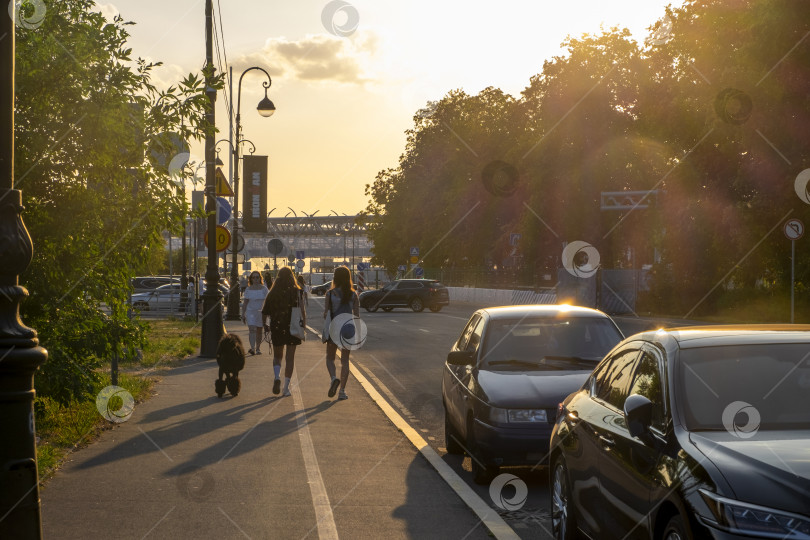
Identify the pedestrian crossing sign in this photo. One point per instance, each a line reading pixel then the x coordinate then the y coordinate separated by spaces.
pixel 223 187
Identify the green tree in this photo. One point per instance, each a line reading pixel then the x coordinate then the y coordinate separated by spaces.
pixel 89 125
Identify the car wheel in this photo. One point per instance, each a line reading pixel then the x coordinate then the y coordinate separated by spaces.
pixel 371 309
pixel 141 306
pixel 435 309
pixel 416 304
pixel 451 437
pixel 676 530
pixel 387 308
pixel 482 472
pixel 562 524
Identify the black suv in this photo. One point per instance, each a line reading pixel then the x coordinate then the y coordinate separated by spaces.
pixel 412 293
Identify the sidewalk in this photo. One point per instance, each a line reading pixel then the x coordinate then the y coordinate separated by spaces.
pixel 190 465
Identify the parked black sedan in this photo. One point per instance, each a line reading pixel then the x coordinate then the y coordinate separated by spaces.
pixel 408 293
pixel 508 372
pixel 689 433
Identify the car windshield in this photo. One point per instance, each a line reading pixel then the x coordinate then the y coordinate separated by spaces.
pixel 745 388
pixel 548 343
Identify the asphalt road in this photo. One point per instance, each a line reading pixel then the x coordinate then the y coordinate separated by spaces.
pixel 404 356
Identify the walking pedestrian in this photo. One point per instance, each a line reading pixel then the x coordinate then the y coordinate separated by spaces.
pixel 341 298
pixel 252 303
pixel 284 295
pixel 191 297
pixel 304 288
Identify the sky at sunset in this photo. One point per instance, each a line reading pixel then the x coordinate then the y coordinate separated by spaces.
pixel 346 86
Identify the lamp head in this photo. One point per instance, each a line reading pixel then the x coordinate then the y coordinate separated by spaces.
pixel 266 107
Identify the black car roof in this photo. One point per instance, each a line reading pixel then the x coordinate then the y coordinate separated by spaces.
pixel 542 310
pixel 739 334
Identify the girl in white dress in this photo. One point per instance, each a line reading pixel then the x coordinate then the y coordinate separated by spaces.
pixel 251 311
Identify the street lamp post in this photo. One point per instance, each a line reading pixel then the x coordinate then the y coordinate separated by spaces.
pixel 20 353
pixel 266 109
pixel 212 325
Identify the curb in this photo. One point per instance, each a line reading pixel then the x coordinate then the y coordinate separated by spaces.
pixel 489 517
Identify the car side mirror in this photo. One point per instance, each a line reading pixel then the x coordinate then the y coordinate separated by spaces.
pixel 638 414
pixel 460 358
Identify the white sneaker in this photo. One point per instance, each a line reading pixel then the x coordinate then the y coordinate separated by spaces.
pixel 286 392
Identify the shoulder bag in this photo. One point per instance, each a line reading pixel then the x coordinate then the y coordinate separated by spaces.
pixel 297 321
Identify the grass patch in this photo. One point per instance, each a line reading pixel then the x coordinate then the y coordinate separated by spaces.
pixel 63 428
pixel 170 340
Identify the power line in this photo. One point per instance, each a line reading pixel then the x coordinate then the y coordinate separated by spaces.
pixel 219 45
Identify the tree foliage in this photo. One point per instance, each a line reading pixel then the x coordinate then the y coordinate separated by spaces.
pixel 93 134
pixel 711 111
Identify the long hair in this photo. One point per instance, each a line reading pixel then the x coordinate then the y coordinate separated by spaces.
pixel 343 280
pixel 283 291
pixel 251 278
pixel 284 282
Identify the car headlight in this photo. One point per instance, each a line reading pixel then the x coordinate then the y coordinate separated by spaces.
pixel 745 518
pixel 497 416
pixel 528 415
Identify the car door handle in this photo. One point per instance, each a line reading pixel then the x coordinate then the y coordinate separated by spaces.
pixel 608 442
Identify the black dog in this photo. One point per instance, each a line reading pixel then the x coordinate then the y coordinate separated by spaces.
pixel 231 360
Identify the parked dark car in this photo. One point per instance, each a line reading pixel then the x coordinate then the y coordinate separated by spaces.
pixel 688 433
pixel 508 372
pixel 320 290
pixel 410 293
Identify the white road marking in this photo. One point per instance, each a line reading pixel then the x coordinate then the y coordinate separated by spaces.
pixel 453 316
pixel 423 330
pixel 397 403
pixel 320 500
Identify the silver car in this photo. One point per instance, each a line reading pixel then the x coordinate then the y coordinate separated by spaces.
pixel 167 297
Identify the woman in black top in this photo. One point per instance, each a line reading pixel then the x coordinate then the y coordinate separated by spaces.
pixel 283 296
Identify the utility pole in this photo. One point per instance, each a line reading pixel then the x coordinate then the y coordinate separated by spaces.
pixel 20 352
pixel 212 326
pixel 233 298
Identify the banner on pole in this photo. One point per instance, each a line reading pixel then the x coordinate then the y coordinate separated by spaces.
pixel 254 207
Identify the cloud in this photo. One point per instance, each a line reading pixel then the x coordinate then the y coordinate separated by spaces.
pixel 314 58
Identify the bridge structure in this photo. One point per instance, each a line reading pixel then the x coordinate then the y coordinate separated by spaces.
pixel 325 240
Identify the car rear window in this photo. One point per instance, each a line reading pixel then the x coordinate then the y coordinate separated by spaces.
pixel 745 388
pixel 550 343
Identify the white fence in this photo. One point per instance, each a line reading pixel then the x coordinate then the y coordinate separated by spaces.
pixel 504 297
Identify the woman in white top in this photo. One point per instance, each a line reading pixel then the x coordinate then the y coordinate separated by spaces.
pixel 251 311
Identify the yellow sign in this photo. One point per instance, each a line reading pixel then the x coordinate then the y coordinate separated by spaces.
pixel 223 238
pixel 414 259
pixel 223 187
